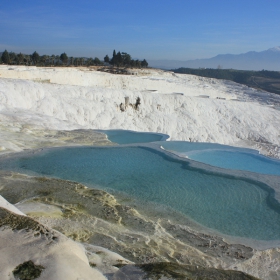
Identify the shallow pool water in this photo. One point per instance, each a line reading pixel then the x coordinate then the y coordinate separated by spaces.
pixel 225 156
pixel 230 205
pixel 131 137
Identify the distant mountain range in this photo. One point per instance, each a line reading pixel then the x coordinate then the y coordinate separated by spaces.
pixel 267 60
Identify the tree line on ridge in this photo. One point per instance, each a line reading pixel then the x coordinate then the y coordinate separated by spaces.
pixel 118 59
pixel 124 59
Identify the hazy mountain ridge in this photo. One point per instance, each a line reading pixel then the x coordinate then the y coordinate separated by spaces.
pixel 268 60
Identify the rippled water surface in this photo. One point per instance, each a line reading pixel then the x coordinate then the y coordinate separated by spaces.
pixel 233 206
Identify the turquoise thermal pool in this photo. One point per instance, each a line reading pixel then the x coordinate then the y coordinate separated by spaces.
pixel 231 205
pixel 131 137
pixel 225 156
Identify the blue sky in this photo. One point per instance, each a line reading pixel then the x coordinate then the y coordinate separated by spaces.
pixel 154 29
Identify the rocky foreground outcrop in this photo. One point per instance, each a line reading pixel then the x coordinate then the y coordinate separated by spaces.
pixel 58 209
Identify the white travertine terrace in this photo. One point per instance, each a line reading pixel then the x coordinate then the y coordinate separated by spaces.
pixel 34 100
pixel 186 107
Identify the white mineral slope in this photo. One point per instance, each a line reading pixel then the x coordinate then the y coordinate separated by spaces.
pixel 185 107
pixel 61 257
pixel 5 204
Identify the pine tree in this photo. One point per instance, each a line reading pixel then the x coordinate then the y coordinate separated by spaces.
pixel 144 63
pixel 64 58
pixel 52 59
pixel 126 58
pixel 138 63
pixel 35 57
pixel 106 58
pixel 44 58
pixel 20 58
pixel 114 58
pixel 13 57
pixel 97 61
pixel 119 59
pixel 133 63
pixel 5 57
pixel 89 61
